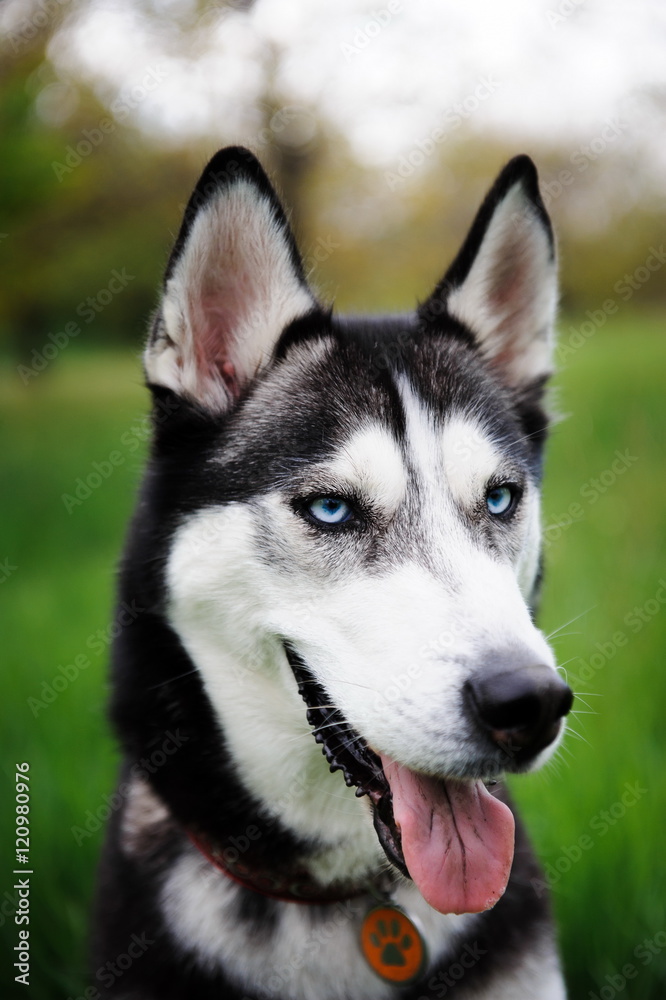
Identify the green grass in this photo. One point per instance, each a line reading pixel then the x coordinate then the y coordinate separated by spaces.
pixel 607 562
pixel 60 594
pixel 604 564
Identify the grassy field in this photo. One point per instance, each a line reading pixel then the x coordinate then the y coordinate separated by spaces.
pixel 596 813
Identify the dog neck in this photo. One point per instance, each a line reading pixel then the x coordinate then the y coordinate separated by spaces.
pixel 292 886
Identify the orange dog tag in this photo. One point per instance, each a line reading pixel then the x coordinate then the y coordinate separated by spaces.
pixel 391 945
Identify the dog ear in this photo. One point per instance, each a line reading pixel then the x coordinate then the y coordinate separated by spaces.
pixel 502 286
pixel 234 281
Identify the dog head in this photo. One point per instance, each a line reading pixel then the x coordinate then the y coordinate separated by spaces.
pixel 352 511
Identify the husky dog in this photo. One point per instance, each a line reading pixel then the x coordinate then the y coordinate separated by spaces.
pixel 334 661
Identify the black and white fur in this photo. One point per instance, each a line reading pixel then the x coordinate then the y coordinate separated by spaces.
pixel 262 399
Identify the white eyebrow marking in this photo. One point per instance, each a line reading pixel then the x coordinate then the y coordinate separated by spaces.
pixel 470 458
pixel 371 461
pixel 455 458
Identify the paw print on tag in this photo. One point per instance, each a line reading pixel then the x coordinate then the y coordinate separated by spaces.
pixel 392 945
pixel 393 950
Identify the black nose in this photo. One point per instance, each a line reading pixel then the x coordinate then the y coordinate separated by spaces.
pixel 519 709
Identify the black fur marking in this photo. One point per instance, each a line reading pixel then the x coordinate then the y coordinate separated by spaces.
pixel 346 751
pixel 380 342
pixel 317 323
pixel 158 692
pixel 259 912
pixel 228 167
pixel 519 170
pixel 128 920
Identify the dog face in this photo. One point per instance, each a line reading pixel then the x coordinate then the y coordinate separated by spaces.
pixel 357 514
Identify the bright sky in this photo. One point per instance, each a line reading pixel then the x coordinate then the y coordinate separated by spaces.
pixel 387 73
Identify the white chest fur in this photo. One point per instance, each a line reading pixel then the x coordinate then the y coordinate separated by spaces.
pixel 310 954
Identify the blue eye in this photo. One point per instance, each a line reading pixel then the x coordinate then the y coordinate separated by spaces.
pixel 329 510
pixel 500 499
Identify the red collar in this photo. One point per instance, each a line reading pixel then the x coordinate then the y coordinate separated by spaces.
pixel 296 886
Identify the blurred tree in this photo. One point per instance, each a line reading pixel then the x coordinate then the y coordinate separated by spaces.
pixel 85 194
pixel 396 230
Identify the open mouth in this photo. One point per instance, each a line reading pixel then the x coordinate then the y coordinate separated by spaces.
pixel 348 752
pixel 453 838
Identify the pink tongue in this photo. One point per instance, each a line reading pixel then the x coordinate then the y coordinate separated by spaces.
pixel 457 839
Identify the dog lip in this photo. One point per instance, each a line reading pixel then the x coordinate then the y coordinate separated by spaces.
pixel 347 751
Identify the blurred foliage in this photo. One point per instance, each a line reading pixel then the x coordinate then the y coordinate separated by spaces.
pixel 84 194
pixel 63 237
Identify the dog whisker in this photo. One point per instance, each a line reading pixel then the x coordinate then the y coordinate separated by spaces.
pixel 170 680
pixel 582 711
pixel 556 632
pixel 578 736
pixel 319 729
pixel 562 667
